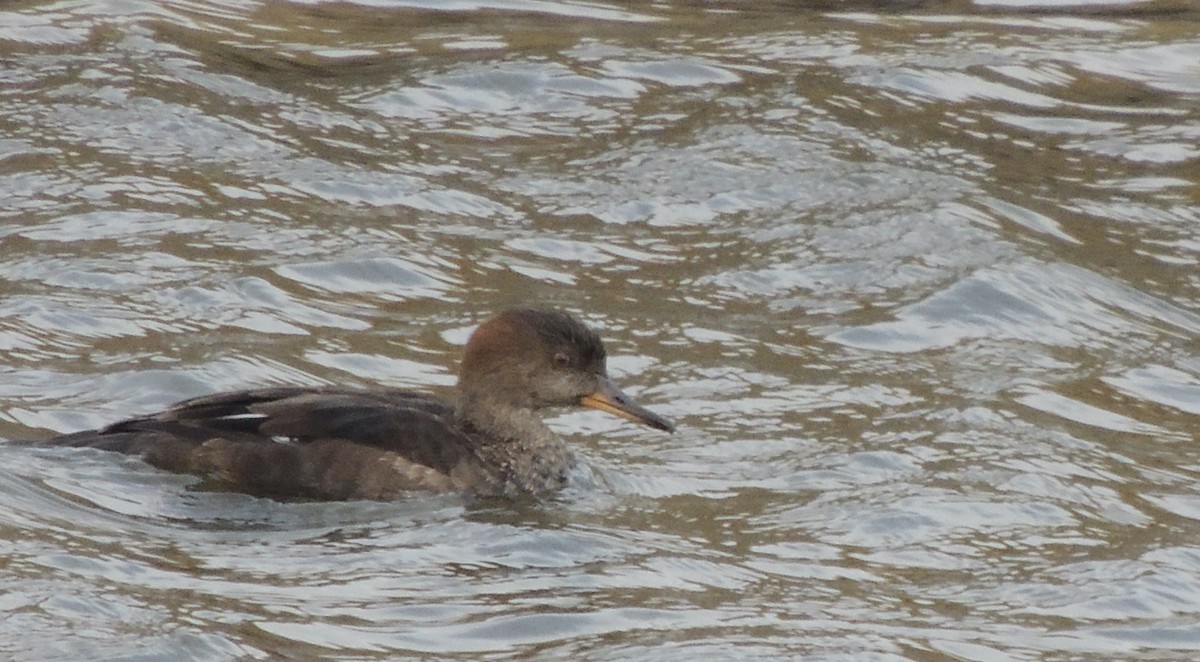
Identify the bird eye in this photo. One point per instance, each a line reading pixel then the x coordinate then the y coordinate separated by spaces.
pixel 561 360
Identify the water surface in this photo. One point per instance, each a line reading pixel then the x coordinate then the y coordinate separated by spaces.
pixel 918 281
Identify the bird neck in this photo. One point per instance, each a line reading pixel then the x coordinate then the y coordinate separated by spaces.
pixel 502 423
pixel 513 443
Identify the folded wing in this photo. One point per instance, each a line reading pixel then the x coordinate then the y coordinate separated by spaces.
pixel 314 442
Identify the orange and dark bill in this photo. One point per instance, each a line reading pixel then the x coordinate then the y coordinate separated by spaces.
pixel 609 398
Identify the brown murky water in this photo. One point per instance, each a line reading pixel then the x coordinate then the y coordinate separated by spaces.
pixel 919 283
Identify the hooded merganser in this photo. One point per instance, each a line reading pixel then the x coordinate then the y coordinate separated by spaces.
pixel 348 443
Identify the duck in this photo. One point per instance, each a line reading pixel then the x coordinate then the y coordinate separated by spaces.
pixel 381 443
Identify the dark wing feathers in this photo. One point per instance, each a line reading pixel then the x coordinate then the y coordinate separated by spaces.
pixel 326 442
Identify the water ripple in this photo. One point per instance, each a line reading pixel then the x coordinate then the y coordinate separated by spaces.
pixel 918 286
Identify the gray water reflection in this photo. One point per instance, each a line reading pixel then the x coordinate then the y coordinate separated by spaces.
pixel 917 280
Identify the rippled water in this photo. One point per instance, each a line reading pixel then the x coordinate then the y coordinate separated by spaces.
pixel 918 282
